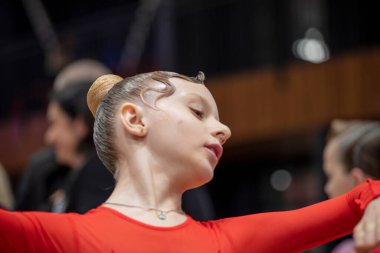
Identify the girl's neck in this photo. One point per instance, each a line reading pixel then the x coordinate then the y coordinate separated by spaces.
pixel 146 204
pixel 152 193
pixel 146 195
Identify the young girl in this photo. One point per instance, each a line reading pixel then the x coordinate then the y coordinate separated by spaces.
pixel 159 133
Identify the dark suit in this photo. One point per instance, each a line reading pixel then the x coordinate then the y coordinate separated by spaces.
pixel 84 189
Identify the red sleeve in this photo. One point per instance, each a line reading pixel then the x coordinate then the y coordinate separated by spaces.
pixel 31 232
pixel 301 229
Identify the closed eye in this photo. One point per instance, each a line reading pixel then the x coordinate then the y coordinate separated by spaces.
pixel 198 113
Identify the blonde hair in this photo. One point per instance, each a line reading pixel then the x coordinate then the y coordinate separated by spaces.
pixel 107 94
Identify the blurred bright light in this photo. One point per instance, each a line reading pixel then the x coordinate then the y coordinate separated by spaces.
pixel 312 48
pixel 281 180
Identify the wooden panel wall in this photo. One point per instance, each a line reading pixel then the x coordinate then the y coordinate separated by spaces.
pixel 268 103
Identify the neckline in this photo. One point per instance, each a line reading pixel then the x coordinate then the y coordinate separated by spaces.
pixel 146 225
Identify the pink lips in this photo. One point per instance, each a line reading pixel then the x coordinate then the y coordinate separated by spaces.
pixel 216 149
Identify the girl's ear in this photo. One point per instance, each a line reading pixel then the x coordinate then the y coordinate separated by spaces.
pixel 132 119
pixel 358 175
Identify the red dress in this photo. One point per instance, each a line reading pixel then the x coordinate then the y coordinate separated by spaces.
pixel 105 230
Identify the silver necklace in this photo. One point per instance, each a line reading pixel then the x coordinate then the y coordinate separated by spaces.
pixel 161 214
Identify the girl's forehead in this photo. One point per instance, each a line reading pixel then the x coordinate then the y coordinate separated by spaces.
pixel 184 87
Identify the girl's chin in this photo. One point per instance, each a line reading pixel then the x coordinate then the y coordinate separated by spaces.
pixel 205 177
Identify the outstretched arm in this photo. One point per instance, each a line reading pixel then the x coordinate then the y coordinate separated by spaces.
pixel 36 232
pixel 305 228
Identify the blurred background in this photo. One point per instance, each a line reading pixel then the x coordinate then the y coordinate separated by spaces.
pixel 280 71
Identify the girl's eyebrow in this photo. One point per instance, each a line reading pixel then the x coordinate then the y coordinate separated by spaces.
pixel 198 96
pixel 204 101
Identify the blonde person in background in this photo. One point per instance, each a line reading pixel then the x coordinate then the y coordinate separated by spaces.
pixel 351 156
pixel 160 135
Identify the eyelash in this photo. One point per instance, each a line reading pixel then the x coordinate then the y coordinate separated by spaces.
pixel 199 114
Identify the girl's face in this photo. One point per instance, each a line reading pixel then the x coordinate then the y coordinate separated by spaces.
pixel 62 134
pixel 185 133
pixel 339 181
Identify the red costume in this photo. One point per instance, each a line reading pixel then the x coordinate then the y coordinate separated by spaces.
pixel 105 230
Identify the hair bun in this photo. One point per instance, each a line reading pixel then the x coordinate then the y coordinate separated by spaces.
pixel 99 90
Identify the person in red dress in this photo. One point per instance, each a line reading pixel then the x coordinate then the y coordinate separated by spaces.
pixel 159 133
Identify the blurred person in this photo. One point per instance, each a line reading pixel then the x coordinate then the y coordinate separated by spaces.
pixel 42 177
pixel 86 183
pixel 45 175
pixel 351 141
pixel 69 133
pixel 6 193
pixel 338 162
pixel 159 134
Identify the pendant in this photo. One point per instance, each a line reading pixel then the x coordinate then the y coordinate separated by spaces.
pixel 162 215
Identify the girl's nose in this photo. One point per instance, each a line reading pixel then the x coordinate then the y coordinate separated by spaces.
pixel 223 133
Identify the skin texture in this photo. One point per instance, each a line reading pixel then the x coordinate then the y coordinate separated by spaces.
pixel 167 149
pixel 190 112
